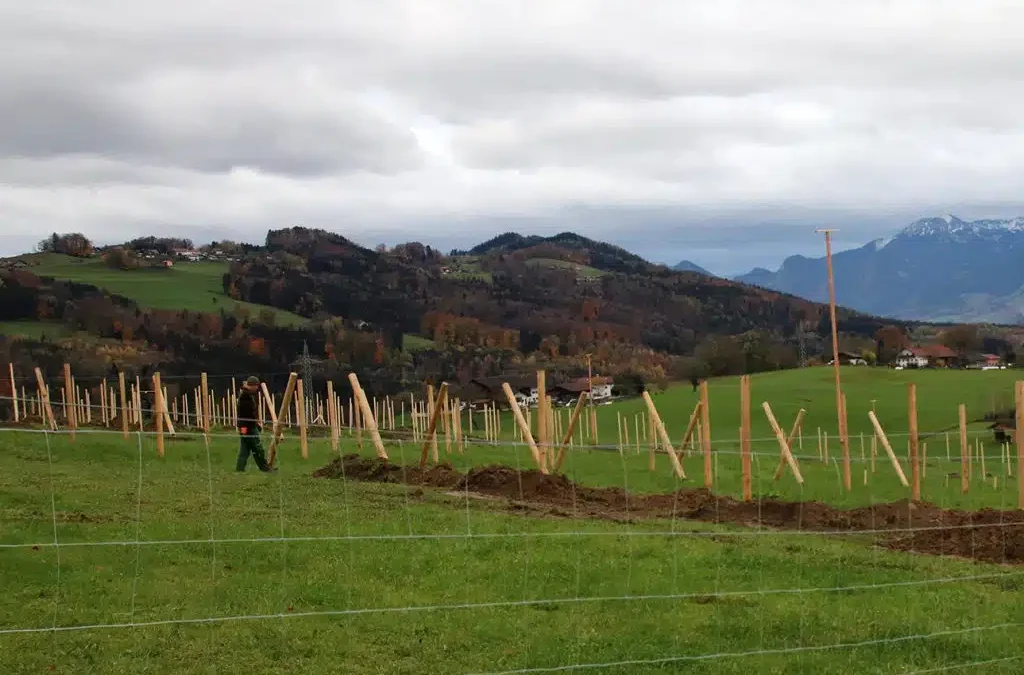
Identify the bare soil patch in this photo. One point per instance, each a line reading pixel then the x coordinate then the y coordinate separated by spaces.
pixel 988 535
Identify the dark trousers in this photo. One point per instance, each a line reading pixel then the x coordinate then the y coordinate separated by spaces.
pixel 249 444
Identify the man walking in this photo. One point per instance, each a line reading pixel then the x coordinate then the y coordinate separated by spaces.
pixel 249 426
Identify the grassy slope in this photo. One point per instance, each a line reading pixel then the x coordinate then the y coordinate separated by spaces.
pixel 33 329
pixel 581 270
pixel 683 595
pixel 939 393
pixel 191 286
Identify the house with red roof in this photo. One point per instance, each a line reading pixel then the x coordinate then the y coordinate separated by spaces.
pixel 926 356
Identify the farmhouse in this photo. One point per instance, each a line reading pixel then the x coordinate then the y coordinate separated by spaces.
pixel 489 389
pixel 928 356
pixel 573 388
pixel 849 359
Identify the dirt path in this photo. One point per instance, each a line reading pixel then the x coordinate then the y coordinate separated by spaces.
pixel 987 535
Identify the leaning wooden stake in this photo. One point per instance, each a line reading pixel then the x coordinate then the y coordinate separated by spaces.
pixel 880 433
pixel 524 427
pixel 269 402
pixel 797 423
pixel 435 415
pixel 368 419
pixel 567 439
pixel 705 434
pixel 691 427
pixel 44 401
pixel 787 455
pixel 660 427
pixel 278 431
pixel 915 461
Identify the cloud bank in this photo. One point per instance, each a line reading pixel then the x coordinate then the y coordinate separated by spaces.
pixel 722 131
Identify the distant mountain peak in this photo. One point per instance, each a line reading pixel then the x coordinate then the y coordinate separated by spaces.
pixel 951 225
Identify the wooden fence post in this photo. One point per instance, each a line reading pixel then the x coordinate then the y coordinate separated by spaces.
pixel 69 401
pixel 158 395
pixel 915 462
pixel 745 435
pixel 705 433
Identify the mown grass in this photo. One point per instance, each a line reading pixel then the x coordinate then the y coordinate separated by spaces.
pixel 193 286
pixel 580 270
pixel 362 578
pixel 35 330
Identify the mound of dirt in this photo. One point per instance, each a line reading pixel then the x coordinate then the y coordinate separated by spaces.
pixel 989 535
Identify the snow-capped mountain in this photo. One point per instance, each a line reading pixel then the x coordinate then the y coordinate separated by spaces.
pixel 935 269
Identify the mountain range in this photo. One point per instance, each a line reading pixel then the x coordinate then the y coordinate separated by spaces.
pixel 941 269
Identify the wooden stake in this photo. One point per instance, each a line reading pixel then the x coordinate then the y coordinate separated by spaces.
pixel 543 441
pixel 745 435
pixel 14 391
pixel 205 407
pixel 158 395
pixel 1020 443
pixel 691 427
pixel 69 401
pixel 300 415
pixel 787 455
pixel 432 405
pixel 278 419
pixel 789 440
pixel 705 433
pixel 46 410
pixel 677 466
pixel 880 433
pixel 572 427
pixel 435 415
pixel 524 427
pixel 332 416
pixel 368 419
pixel 965 451
pixel 843 441
pixel 915 463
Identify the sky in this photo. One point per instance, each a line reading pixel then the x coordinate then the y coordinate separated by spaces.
pixel 722 132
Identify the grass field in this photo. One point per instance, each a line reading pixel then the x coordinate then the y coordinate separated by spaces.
pixel 308 574
pixel 194 286
pixel 580 270
pixel 33 329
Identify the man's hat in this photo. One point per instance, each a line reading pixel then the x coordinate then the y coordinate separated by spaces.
pixel 252 381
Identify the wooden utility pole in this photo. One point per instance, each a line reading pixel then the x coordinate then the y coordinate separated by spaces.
pixel 843 440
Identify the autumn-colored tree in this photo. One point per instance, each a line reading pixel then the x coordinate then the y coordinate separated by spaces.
pixel 889 340
pixel 962 339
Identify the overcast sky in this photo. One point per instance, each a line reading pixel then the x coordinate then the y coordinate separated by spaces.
pixel 722 131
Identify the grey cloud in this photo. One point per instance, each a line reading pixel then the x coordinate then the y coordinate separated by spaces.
pixel 683 130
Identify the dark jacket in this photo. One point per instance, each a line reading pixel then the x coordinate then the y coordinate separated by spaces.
pixel 248 409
